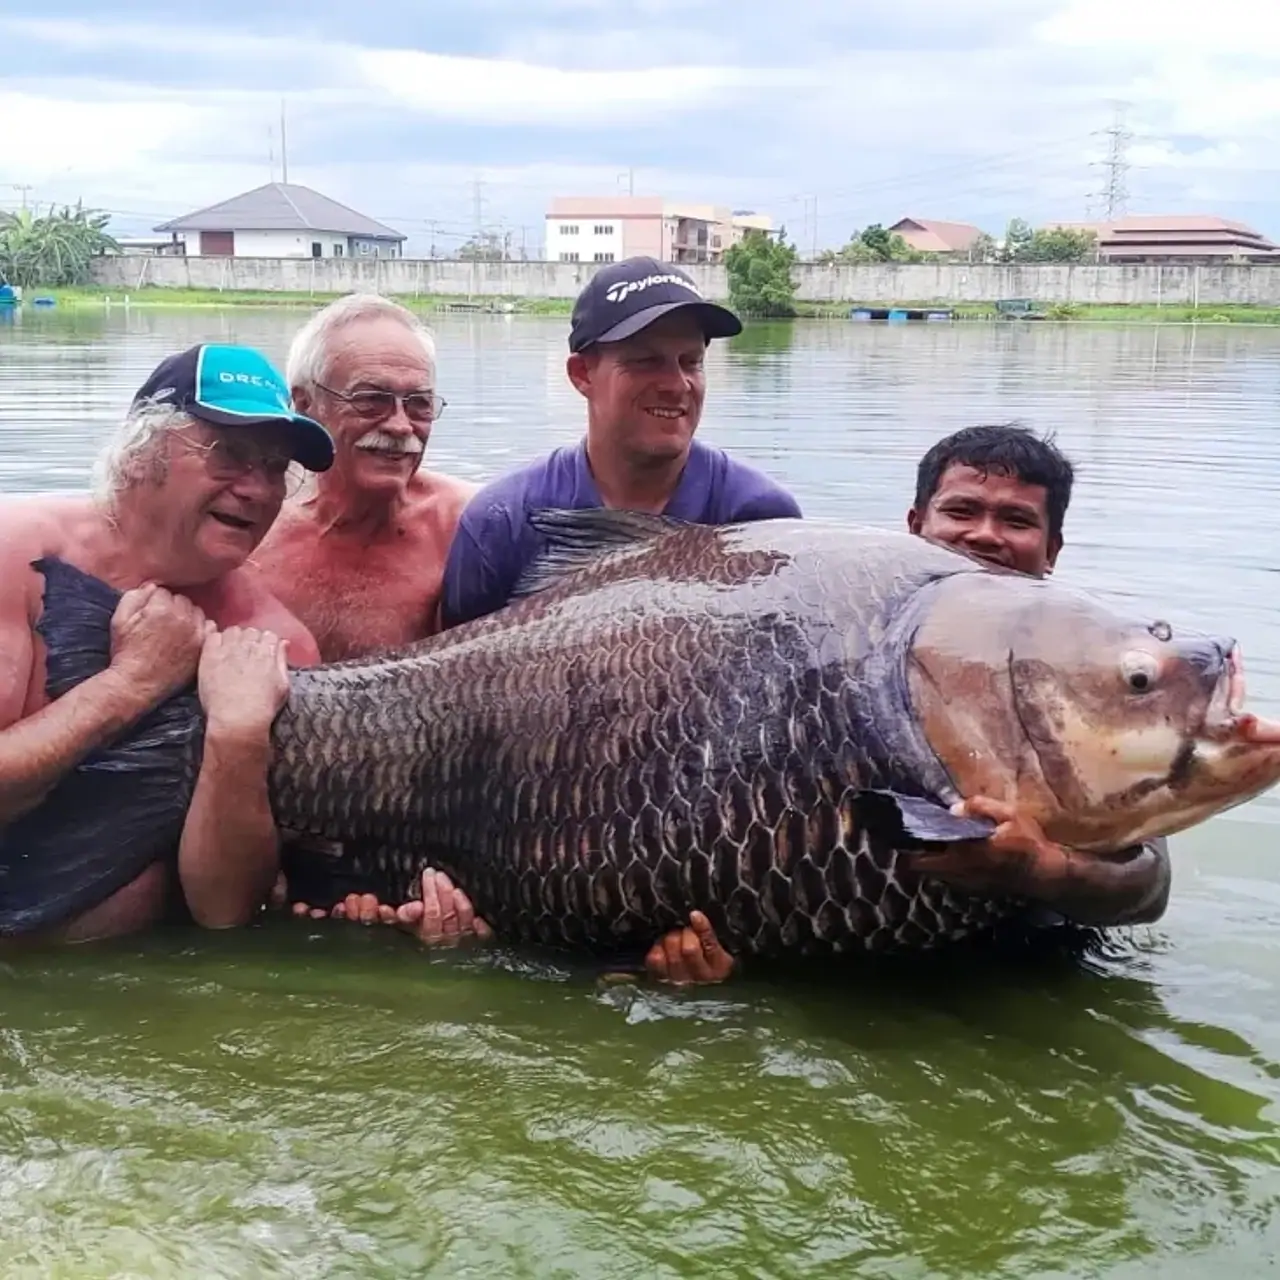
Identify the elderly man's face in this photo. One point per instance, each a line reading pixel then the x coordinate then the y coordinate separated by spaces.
pixel 216 495
pixel 379 441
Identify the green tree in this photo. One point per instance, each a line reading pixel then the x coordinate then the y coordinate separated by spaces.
pixel 53 249
pixel 759 268
pixel 1061 244
pixel 488 247
pixel 874 244
pixel 1017 240
pixel 984 249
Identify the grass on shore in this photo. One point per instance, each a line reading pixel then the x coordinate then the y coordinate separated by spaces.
pixel 151 296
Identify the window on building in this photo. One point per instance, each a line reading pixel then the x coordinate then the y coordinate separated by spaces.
pixel 715 242
pixel 337 250
pixel 317 249
pixel 569 229
pixel 604 257
pixel 603 229
pixel 364 249
pixel 568 257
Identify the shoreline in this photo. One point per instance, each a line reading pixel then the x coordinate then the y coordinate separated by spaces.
pixel 95 298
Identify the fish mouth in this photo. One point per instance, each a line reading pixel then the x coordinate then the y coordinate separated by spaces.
pixel 1226 719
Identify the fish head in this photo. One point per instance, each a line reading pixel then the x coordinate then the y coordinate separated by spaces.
pixel 1107 729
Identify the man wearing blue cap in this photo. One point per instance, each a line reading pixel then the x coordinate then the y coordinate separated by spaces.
pixel 184 492
pixel 636 350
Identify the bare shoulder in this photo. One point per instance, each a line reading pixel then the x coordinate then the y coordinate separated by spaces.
pixel 247 601
pixel 40 525
pixel 444 495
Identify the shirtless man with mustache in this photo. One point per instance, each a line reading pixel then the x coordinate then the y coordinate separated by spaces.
pixel 358 556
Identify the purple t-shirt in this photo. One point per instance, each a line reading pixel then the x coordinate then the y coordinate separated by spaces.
pixel 494 541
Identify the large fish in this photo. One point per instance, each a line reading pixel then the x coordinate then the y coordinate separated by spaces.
pixel 760 721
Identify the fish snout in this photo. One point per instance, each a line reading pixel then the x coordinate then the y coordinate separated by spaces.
pixel 1215 665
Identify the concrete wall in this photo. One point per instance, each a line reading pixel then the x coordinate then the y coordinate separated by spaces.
pixel 954 282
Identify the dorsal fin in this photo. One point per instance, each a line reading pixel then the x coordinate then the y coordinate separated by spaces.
pixel 574 539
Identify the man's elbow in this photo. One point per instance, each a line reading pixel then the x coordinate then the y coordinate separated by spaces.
pixel 221 913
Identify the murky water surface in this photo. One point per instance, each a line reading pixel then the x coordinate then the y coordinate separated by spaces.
pixel 303 1100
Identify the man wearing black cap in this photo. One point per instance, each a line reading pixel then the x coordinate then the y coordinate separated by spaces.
pixel 185 490
pixel 636 349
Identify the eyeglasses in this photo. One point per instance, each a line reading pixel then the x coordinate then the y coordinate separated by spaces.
pixel 375 406
pixel 233 456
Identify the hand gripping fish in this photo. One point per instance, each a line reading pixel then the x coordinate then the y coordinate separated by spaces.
pixel 765 722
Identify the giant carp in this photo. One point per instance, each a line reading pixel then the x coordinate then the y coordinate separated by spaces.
pixel 765 722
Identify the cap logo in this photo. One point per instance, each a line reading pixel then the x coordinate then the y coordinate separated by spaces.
pixel 252 379
pixel 623 289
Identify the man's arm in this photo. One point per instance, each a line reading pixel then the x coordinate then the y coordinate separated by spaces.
pixel 229 854
pixel 155 646
pixel 472 587
pixel 766 500
pixel 1018 860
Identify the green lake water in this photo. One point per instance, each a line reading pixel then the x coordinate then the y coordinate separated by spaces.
pixel 317 1100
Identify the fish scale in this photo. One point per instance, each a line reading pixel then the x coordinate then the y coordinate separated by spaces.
pixel 766 722
pixel 670 732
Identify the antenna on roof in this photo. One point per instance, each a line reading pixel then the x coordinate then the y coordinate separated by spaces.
pixel 284 154
pixel 271 152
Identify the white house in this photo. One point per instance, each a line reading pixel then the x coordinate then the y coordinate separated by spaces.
pixel 283 220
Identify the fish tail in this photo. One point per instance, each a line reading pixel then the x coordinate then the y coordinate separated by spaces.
pixel 122 807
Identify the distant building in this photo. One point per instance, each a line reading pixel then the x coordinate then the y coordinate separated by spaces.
pixel 610 228
pixel 928 235
pixel 1177 238
pixel 148 246
pixel 283 220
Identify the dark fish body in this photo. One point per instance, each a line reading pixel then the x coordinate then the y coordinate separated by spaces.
pixel 763 722
pixel 687 723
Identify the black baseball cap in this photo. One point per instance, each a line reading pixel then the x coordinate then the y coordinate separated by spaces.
pixel 627 296
pixel 234 386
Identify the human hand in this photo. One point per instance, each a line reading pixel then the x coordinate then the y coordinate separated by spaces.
pixel 689 955
pixel 243 681
pixel 1017 859
pixel 156 639
pixel 444 916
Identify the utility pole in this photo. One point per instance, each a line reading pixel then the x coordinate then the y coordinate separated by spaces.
pixel 1114 195
pixel 479 211
pixel 22 187
pixel 812 230
pixel 284 152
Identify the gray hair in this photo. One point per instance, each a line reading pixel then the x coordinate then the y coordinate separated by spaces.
pixel 309 352
pixel 133 451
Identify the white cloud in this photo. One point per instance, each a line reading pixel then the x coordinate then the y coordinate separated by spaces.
pixel 494 91
pixel 1006 122
pixel 89 139
pixel 1157 26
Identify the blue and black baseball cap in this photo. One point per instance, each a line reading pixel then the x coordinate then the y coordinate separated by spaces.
pixel 233 386
pixel 621 299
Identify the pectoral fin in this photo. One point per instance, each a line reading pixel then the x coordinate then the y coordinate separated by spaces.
pixel 927 821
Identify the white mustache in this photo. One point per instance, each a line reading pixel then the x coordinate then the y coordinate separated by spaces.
pixel 385 442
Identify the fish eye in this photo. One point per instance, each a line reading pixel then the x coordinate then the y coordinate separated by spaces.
pixel 1140 671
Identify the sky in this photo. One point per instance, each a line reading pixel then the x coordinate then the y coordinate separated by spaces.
pixel 826 114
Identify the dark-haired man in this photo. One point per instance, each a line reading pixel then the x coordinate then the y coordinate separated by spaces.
pixel 1000 494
